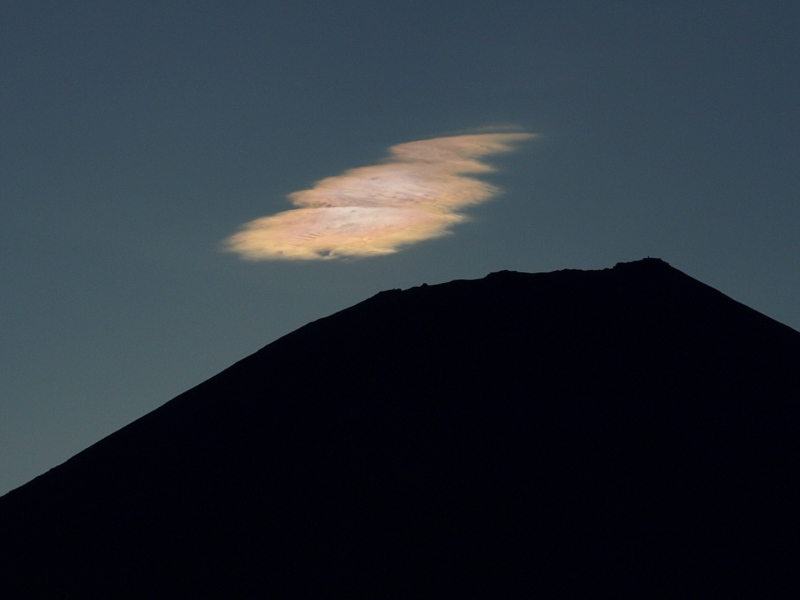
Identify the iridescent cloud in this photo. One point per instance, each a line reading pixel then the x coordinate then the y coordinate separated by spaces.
pixel 413 195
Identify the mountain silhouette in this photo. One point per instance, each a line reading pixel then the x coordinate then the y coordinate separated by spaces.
pixel 625 432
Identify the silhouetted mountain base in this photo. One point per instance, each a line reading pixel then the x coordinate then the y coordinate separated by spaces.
pixel 626 432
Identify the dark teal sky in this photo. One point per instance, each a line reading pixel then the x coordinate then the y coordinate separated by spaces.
pixel 136 136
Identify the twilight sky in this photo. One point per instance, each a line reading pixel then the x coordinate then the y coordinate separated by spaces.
pixel 154 152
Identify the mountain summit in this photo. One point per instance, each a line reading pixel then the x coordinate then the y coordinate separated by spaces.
pixel 624 432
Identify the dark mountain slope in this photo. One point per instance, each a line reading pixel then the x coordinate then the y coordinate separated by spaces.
pixel 621 432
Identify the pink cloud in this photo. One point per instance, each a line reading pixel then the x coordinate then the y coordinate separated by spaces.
pixel 413 195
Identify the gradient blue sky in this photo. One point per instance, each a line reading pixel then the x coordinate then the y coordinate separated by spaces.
pixel 136 136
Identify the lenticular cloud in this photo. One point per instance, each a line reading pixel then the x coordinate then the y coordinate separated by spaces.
pixel 413 195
